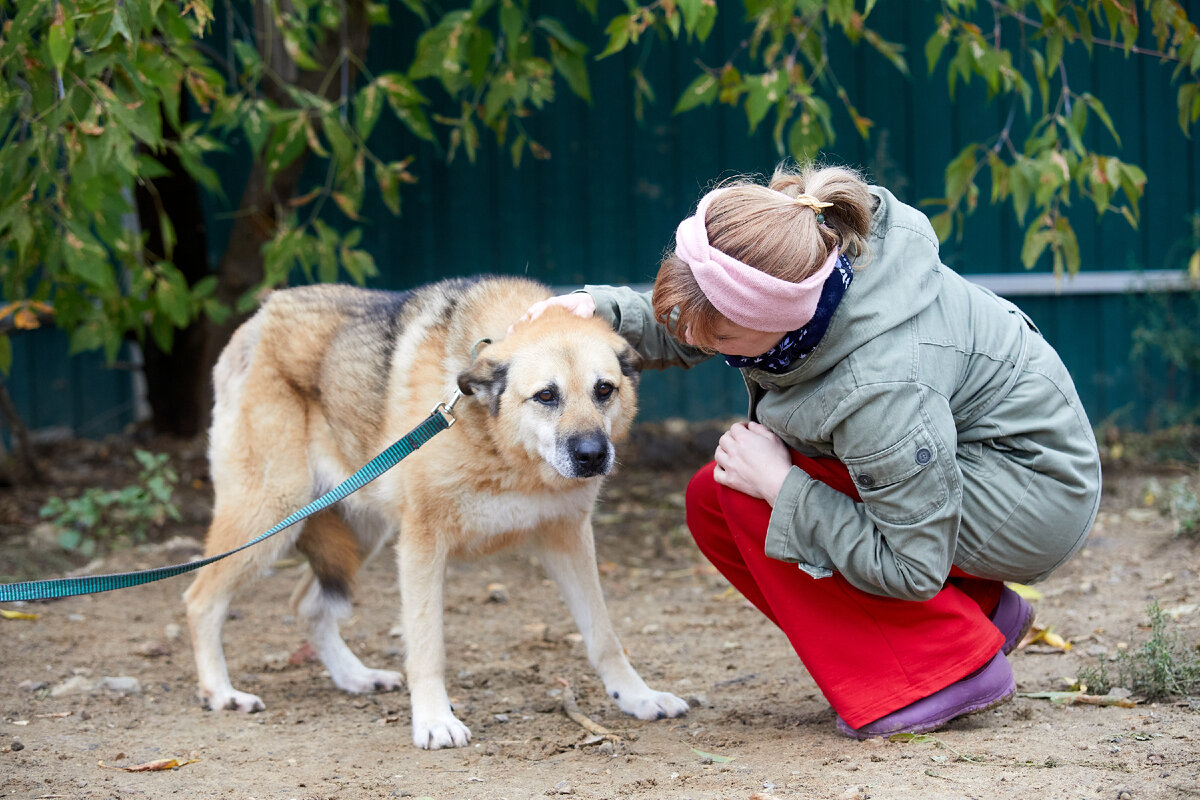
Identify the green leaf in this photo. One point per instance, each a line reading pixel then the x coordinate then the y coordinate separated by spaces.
pixel 701 91
pixel 61 37
pixel 573 69
pixel 959 174
pixel 1068 244
pixel 1101 112
pixel 517 149
pixel 806 137
pixel 368 105
pixel 1022 179
pixel 933 48
pixel 1054 51
pixel 69 538
pixel 358 264
pixel 708 18
pixel 389 187
pixel 512 27
pixel 172 296
pixel 761 94
pixel 1188 102
pixel 417 7
pixel 691 10
pixel 1034 245
pixel 560 34
pixel 6 353
pixel 943 224
pixel 167 231
pixel 288 142
pixel 618 31
pixel 711 757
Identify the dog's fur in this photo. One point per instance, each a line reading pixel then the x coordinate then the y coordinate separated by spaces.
pixel 323 378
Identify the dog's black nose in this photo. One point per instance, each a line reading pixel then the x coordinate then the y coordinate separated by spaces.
pixel 589 454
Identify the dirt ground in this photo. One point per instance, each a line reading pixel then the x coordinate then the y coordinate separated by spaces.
pixel 99 684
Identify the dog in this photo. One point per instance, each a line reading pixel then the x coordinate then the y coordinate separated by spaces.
pixel 322 378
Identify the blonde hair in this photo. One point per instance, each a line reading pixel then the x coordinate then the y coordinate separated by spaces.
pixel 761 227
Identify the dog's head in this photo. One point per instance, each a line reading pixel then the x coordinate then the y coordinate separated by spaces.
pixel 560 388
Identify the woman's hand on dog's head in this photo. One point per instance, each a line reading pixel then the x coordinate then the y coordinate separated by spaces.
pixel 581 304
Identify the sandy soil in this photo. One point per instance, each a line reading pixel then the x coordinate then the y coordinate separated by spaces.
pixel 72 721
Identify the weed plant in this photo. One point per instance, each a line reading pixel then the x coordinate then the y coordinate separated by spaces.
pixel 1163 667
pixel 101 519
pixel 1179 500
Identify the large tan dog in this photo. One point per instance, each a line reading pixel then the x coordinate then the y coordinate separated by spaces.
pixel 323 378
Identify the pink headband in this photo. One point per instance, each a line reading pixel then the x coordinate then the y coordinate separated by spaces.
pixel 744 295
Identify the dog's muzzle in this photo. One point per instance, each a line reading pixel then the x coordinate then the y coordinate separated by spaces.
pixel 590 454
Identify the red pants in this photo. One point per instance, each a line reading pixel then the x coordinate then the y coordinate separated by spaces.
pixel 870 655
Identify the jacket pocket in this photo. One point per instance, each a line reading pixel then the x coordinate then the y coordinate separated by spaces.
pixel 902 484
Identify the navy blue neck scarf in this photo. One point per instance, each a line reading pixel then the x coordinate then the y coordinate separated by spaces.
pixel 796 345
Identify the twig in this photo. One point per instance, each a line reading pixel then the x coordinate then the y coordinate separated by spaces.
pixel 571 709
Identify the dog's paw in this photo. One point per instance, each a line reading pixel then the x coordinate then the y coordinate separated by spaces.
pixel 370 680
pixel 651 704
pixel 443 731
pixel 232 700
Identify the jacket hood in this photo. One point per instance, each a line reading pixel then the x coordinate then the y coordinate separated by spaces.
pixel 899 276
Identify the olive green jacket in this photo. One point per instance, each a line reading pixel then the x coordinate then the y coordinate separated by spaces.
pixel 959 423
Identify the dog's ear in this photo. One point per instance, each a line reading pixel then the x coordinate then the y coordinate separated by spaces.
pixel 631 364
pixel 485 378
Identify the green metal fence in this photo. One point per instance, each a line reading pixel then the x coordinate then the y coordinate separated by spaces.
pixel 605 206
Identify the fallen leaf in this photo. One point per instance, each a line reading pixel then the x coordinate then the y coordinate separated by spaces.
pixel 152 766
pixel 715 759
pixel 1072 698
pixel 1175 612
pixel 303 655
pixel 1045 635
pixel 1026 592
pixel 6 614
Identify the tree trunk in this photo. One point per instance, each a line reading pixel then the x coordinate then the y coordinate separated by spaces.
pixel 176 390
pixel 182 401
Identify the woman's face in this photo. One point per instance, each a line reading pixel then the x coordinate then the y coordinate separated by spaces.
pixel 734 340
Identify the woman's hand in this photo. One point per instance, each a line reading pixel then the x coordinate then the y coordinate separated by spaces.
pixel 581 304
pixel 752 460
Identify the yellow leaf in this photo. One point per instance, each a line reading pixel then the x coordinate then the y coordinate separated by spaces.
pixel 1046 636
pixel 152 766
pixel 26 320
pixel 1194 267
pixel 6 614
pixel 1026 592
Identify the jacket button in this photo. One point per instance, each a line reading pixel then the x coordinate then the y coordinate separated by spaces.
pixel 865 480
pixel 770 386
pixel 923 455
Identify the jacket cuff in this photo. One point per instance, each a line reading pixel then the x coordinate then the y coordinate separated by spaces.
pixel 786 541
pixel 613 305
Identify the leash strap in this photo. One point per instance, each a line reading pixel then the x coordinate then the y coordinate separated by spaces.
pixel 435 423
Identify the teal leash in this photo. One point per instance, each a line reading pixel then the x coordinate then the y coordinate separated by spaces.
pixel 439 420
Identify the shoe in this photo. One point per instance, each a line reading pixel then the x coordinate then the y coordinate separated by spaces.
pixel 1014 617
pixel 986 687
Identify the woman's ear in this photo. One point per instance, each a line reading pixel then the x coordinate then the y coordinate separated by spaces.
pixel 485 378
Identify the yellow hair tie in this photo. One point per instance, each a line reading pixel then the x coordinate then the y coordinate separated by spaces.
pixel 812 202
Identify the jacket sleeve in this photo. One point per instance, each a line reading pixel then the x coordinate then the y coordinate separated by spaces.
pixel 900 540
pixel 632 316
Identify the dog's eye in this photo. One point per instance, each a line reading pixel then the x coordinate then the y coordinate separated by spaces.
pixel 546 397
pixel 604 389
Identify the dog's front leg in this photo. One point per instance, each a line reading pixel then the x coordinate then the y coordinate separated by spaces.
pixel 569 557
pixel 422 568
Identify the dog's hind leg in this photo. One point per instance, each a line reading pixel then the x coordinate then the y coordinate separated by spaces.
pixel 208 600
pixel 568 556
pixel 333 554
